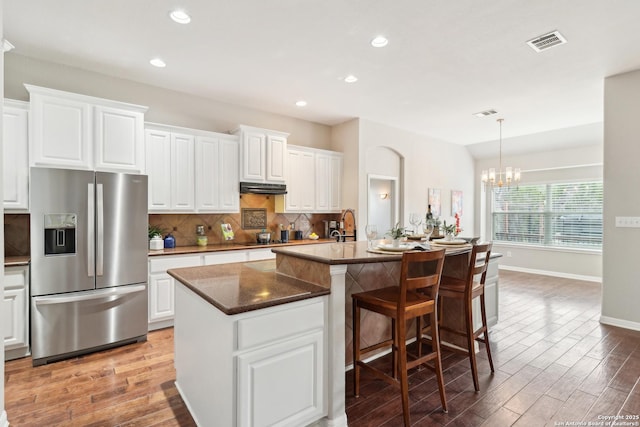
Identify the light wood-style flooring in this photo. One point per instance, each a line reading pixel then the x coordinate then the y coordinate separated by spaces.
pixel 555 363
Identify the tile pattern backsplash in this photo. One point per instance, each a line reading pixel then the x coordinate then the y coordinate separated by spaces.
pixel 183 226
pixel 16 235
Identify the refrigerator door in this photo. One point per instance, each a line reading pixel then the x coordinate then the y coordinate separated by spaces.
pixel 62 227
pixel 121 229
pixel 73 323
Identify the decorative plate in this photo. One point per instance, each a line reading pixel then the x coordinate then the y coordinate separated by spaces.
pixel 391 248
pixel 449 242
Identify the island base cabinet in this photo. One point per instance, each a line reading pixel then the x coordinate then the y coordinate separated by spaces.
pixel 229 374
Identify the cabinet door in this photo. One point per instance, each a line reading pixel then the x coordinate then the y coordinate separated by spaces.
pixel 158 148
pixel 60 132
pixel 276 155
pixel 307 186
pixel 207 170
pixel 161 297
pixel 15 310
pixel 253 156
pixel 293 198
pixel 15 160
pixel 295 369
pixel 182 172
pixel 335 183
pixel 323 182
pixel 119 140
pixel 228 176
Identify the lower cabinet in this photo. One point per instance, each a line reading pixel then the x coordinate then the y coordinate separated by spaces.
pixel 162 287
pixel 15 312
pixel 263 367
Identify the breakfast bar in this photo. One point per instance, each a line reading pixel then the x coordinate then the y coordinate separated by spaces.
pixel 243 329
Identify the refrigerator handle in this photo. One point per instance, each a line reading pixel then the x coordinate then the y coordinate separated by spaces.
pixel 100 230
pixel 90 231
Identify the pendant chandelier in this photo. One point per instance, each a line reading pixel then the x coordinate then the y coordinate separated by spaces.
pixel 510 174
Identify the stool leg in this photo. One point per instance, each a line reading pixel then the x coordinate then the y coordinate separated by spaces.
pixel 435 345
pixel 356 348
pixel 471 342
pixel 399 341
pixel 487 345
pixel 394 350
pixel 419 337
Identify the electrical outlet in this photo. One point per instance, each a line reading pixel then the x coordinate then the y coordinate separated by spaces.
pixel 628 221
pixel 508 254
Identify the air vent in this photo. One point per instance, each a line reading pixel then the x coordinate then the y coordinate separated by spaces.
pixel 547 41
pixel 485 113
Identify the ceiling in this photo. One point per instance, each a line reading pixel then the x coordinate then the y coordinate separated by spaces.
pixel 444 61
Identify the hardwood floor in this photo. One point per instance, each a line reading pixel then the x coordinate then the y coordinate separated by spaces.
pixel 555 363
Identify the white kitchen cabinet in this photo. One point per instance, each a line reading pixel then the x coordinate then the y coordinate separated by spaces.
pixel 15 155
pixel 69 130
pixel 171 170
pixel 183 172
pixel 15 312
pixel 262 154
pixel 217 182
pixel 158 148
pixel 162 287
pixel 227 374
pixel 191 170
pixel 314 179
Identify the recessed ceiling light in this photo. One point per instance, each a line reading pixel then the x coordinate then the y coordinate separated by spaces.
pixel 379 41
pixel 157 62
pixel 301 103
pixel 180 16
pixel 351 78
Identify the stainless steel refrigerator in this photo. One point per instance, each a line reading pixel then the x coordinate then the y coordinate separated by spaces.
pixel 89 245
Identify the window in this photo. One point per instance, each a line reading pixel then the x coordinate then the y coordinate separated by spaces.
pixel 557 214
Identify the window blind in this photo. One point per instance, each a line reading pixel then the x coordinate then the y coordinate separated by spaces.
pixel 555 214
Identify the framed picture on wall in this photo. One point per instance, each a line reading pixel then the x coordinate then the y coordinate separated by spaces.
pixel 434 201
pixel 456 203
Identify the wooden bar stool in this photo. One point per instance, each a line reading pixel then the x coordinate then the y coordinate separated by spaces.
pixel 466 290
pixel 415 296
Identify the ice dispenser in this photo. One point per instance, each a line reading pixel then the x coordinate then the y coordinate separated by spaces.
pixel 60 234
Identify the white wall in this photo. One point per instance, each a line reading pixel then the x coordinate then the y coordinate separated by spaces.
pixel 621 275
pixel 559 165
pixel 421 162
pixel 165 106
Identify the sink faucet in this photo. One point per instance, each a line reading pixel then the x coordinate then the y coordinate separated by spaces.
pixel 338 235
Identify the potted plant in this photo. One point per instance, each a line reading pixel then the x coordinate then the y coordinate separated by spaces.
pixel 449 231
pixel 155 237
pixel 396 233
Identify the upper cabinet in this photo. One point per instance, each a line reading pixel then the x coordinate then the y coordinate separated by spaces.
pixel 191 170
pixel 314 181
pixel 15 155
pixel 262 154
pixel 69 130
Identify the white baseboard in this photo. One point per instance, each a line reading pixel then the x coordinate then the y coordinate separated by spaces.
pixel 621 323
pixel 551 273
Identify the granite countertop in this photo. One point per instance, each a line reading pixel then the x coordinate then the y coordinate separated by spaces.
pixel 234 246
pixel 14 261
pixel 351 253
pixel 241 287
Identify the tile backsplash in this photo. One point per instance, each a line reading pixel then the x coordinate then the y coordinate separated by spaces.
pixel 183 226
pixel 16 235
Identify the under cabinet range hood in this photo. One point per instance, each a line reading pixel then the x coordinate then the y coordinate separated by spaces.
pixel 262 188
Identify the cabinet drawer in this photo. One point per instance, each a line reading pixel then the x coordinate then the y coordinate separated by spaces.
pixel 15 277
pixel 280 324
pixel 162 264
pixel 225 257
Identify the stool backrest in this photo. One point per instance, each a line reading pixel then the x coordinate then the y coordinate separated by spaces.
pixel 420 271
pixel 478 262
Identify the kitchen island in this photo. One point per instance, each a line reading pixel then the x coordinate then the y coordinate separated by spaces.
pixel 297 342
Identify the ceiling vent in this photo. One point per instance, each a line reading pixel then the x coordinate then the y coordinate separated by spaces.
pixel 485 113
pixel 547 41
